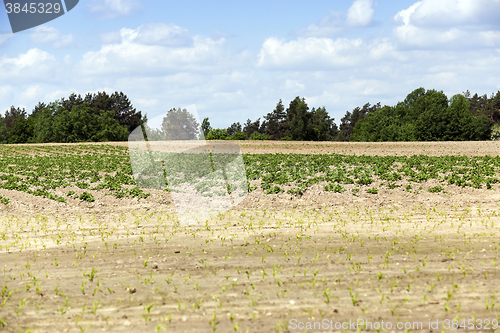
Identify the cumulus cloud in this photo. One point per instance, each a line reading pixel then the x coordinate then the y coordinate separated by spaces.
pixel 449 23
pixel 158 49
pixel 360 13
pixel 114 8
pixel 51 36
pixel 158 34
pixel 452 13
pixel 34 65
pixel 309 53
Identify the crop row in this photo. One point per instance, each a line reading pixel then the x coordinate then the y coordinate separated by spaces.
pixel 41 170
pixel 302 171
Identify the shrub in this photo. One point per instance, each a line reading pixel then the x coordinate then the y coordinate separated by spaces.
pixel 259 136
pixel 239 136
pixel 218 134
pixel 372 190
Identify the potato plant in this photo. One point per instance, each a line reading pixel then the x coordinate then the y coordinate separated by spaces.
pixel 248 269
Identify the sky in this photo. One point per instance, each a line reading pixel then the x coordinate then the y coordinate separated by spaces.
pixel 234 60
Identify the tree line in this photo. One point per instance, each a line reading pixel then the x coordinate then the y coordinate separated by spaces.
pixel 95 117
pixel 424 115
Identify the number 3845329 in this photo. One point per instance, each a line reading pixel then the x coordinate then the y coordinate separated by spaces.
pixel 33 7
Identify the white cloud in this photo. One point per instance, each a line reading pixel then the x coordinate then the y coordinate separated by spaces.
pixel 159 49
pixel 308 53
pixel 114 8
pixel 34 65
pixel 360 13
pixel 449 24
pixel 383 49
pixel 158 34
pixel 50 35
pixel 160 66
pixel 405 14
pixel 452 12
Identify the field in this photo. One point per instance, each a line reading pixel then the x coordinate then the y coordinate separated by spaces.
pixel 332 237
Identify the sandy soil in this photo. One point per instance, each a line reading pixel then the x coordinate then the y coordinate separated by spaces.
pixel 468 148
pixel 273 263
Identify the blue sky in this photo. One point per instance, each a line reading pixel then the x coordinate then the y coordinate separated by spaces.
pixel 235 60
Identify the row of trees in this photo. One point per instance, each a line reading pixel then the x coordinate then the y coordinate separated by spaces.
pixel 422 116
pixel 296 123
pixel 96 117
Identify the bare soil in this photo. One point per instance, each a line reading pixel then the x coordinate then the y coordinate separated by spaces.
pixel 273 263
pixel 467 148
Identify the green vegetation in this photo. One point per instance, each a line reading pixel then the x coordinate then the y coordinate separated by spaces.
pixel 4 200
pixel 86 196
pixel 141 270
pixel 96 117
pixel 300 171
pixel 93 168
pixel 44 171
pixel 424 116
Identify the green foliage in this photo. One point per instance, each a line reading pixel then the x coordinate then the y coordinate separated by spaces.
pixel 98 117
pixel 302 171
pixel 275 122
pixel 239 136
pixel 179 124
pixel 22 130
pixel 41 170
pixel 275 190
pixel 423 116
pixel 109 128
pixel 86 196
pixel 3 130
pixel 495 132
pixel 349 122
pixel 435 189
pixel 259 136
pixel 218 134
pixel 4 200
pixel 335 188
pixel 205 127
